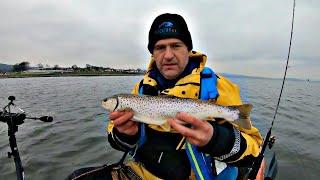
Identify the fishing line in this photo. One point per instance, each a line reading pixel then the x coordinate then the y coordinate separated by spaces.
pixel 267 140
pixel 284 77
pixel 285 72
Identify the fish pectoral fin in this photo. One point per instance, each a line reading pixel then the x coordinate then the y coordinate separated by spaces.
pixel 220 120
pixel 209 118
pixel 148 120
pixel 127 109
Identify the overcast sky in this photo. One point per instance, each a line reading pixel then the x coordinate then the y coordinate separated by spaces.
pixel 239 36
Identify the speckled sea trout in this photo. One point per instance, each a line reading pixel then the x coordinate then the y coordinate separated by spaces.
pixel 157 109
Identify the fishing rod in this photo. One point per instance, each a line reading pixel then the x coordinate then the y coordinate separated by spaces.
pixel 268 139
pixel 13 120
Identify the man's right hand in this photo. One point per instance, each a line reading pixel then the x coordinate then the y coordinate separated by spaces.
pixel 122 121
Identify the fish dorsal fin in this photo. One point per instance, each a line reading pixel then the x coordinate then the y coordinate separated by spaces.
pixel 169 96
pixel 166 95
pixel 212 101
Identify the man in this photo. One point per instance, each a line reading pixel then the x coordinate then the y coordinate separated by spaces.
pixel 160 151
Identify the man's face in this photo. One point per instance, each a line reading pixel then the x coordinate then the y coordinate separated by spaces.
pixel 171 57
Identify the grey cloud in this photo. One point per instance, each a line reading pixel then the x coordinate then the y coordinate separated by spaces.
pixel 237 36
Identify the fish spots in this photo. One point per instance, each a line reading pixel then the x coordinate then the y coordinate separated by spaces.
pixel 151 109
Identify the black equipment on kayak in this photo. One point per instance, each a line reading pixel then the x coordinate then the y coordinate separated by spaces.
pixel 13 120
pixel 269 140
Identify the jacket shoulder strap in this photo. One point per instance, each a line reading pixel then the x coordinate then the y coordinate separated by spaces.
pixel 208 89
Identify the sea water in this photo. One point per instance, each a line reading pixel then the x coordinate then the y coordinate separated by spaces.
pixel 77 137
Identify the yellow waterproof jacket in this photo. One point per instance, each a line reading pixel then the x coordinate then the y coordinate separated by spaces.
pixel 189 87
pixel 229 95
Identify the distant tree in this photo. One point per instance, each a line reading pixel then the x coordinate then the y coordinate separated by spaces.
pixel 16 68
pixel 47 66
pixel 74 67
pixel 95 68
pixel 89 67
pixel 55 67
pixel 40 65
pixel 23 66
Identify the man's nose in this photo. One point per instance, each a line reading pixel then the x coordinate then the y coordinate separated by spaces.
pixel 168 54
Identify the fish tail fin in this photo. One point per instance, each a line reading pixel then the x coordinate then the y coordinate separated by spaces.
pixel 244 110
pixel 244 116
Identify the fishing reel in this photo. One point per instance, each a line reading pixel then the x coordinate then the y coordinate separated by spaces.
pixel 271 142
pixel 13 120
pixel 18 118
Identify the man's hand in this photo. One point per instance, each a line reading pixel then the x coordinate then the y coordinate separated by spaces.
pixel 123 122
pixel 200 132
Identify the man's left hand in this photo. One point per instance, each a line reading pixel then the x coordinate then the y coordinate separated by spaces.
pixel 200 132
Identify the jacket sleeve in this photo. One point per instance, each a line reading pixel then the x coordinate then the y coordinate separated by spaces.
pixel 244 143
pixel 121 141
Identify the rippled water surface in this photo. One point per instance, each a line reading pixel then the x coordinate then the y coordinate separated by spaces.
pixel 77 137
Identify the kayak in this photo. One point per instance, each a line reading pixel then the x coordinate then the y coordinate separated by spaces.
pixel 268 170
pixel 271 164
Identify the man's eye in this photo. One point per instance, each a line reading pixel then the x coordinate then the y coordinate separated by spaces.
pixel 159 48
pixel 176 45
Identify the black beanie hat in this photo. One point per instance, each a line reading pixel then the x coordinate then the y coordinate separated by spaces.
pixel 169 26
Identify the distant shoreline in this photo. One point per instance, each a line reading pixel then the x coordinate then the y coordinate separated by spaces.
pixel 30 75
pixel 77 74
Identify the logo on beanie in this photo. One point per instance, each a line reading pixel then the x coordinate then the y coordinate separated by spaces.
pixel 166 24
pixel 166 27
